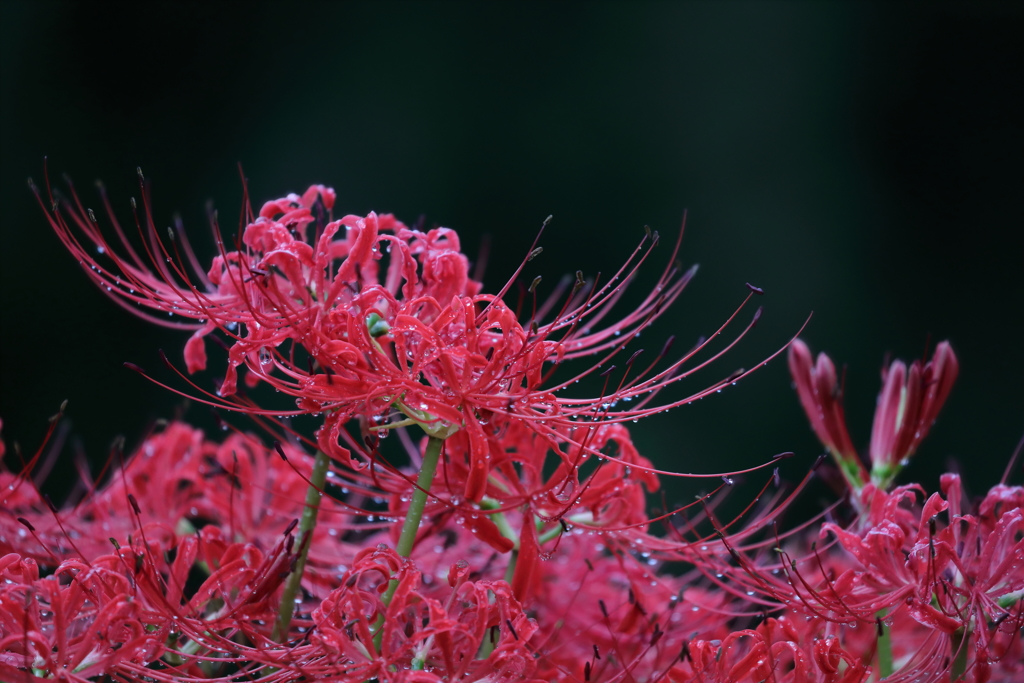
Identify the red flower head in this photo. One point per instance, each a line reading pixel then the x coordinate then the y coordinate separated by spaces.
pixel 80 619
pixel 782 650
pixel 309 309
pixel 428 628
pixel 936 589
pixel 821 396
pixel 908 405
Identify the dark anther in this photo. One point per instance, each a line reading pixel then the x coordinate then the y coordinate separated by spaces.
pixel 170 233
pixel 782 456
pixel 135 368
pixel 579 282
pixel 776 478
pixel 632 598
pixel 24 522
pixel 755 290
pixel 92 216
pixel 133 203
pixel 163 357
pixel 819 461
pixel 586 671
pixel 138 169
pixel 633 357
pixel 728 480
pixel 736 375
pixel 535 253
pixel 647 229
pixel 654 238
pixel 49 503
pixel 597 653
pixel 546 221
pixel 512 630
pixel 656 636
pixel 280 451
pixel 757 316
pixel 291 526
pixel 134 503
pixel 608 371
pixel 604 610
pixel 668 345
pixel 351 581
pixel 533 285
pixel 590 565
pixel 880 626
pixel 565 527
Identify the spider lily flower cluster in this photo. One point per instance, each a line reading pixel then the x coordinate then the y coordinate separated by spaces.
pixel 516 544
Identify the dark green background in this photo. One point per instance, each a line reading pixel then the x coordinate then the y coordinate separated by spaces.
pixel 862 161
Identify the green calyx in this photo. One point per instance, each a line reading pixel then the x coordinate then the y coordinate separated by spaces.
pixel 377 326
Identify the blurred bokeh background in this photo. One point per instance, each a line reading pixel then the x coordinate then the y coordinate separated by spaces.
pixel 859 160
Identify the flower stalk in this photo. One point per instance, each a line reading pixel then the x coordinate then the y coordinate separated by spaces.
pixel 884 646
pixel 307 523
pixel 412 521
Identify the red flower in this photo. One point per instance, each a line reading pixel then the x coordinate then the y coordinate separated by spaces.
pixel 782 650
pixel 908 404
pixel 821 397
pixel 943 589
pixel 424 629
pixel 302 302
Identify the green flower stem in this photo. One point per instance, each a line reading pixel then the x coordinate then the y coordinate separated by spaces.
pixel 510 570
pixel 852 472
pixel 419 501
pixel 884 648
pixel 306 525
pixel 412 522
pixel 959 646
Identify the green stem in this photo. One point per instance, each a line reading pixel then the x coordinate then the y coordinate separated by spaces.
pixel 853 472
pixel 412 521
pixel 419 499
pixel 306 525
pixel 960 648
pixel 884 648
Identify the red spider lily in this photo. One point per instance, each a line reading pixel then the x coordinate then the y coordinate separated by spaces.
pixel 943 590
pixel 908 405
pixel 422 344
pixel 821 397
pixel 438 635
pixel 611 497
pixel 133 615
pixel 780 650
pixel 606 614
pixel 72 629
